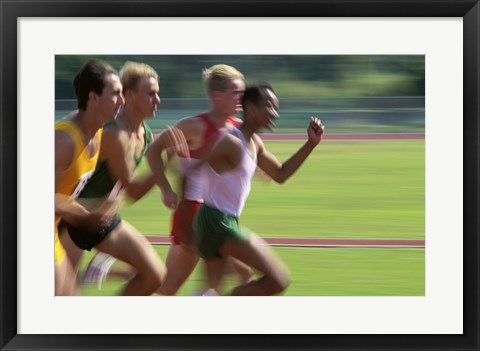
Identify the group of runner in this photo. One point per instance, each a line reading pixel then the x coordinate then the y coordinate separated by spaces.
pixel 98 147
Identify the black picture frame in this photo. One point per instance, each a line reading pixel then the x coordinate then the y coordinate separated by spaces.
pixel 12 10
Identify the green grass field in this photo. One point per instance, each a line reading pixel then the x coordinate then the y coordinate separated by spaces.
pixel 346 189
pixel 324 272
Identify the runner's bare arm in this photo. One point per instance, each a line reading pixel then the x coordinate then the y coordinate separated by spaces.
pixel 170 139
pixel 223 157
pixel 69 209
pixel 226 155
pixel 147 182
pixel 178 139
pixel 114 149
pixel 64 151
pixel 281 172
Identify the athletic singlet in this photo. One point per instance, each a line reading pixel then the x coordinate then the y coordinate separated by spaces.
pixel 101 182
pixel 228 191
pixel 77 174
pixel 194 190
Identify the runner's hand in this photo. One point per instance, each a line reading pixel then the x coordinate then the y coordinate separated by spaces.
pixel 169 197
pixel 315 130
pixel 177 141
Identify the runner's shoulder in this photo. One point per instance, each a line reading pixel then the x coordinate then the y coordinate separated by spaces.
pixel 258 141
pixel 64 140
pixel 191 124
pixel 114 133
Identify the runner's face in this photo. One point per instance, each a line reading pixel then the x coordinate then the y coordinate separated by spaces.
pixel 145 97
pixel 230 100
pixel 111 100
pixel 267 111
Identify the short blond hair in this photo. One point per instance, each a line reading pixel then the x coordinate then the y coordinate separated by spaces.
pixel 132 72
pixel 217 77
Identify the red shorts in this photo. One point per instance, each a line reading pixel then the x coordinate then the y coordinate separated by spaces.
pixel 183 218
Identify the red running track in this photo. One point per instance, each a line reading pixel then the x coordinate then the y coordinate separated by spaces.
pixel 358 136
pixel 319 242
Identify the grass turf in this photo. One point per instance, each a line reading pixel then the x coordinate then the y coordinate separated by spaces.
pixel 323 272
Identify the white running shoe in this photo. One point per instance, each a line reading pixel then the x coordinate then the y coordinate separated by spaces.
pixel 97 269
pixel 210 292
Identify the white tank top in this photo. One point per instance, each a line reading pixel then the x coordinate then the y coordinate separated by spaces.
pixel 228 191
pixel 194 188
pixel 193 191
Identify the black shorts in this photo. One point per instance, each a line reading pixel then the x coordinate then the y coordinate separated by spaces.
pixel 87 240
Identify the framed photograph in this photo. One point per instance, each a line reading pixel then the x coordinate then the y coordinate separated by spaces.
pixel 437 41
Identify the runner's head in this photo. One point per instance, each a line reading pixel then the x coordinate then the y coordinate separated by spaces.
pixel 225 86
pixel 91 78
pixel 98 87
pixel 260 106
pixel 140 88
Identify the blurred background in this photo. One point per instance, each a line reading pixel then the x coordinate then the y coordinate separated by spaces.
pixel 350 93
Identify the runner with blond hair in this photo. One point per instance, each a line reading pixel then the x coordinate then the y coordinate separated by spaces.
pixel 124 144
pixel 224 85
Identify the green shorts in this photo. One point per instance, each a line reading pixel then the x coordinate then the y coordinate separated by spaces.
pixel 212 227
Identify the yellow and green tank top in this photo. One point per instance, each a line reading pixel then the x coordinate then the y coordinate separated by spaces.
pixel 75 177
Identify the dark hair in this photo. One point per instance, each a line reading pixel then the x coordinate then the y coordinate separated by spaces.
pixel 91 77
pixel 254 94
